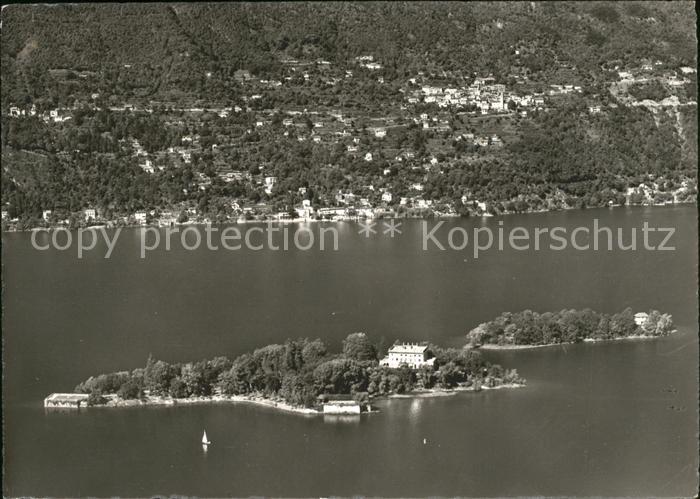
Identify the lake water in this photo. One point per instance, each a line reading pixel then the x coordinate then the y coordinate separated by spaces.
pixel 610 419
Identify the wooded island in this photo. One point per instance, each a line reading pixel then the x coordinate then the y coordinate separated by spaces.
pixel 299 373
pixel 528 328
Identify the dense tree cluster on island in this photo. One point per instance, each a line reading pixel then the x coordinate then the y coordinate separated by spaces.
pixel 298 372
pixel 568 326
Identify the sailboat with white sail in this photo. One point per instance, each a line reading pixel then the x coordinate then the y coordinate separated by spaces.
pixel 205 439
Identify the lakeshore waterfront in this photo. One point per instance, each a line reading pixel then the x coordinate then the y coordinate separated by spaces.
pixel 434 234
pixel 278 219
pixel 605 418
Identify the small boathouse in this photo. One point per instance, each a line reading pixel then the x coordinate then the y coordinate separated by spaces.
pixel 341 407
pixel 66 400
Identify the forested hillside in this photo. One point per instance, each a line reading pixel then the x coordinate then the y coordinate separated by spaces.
pixel 162 107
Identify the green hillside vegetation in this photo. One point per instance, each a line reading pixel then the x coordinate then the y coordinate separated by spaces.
pixel 170 46
pixel 166 58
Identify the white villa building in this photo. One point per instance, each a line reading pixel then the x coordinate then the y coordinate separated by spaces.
pixel 411 354
pixel 641 318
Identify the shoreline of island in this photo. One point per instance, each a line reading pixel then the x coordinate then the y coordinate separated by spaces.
pixel 449 392
pixel 113 401
pixel 633 337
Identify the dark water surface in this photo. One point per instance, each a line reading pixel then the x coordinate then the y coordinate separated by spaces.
pixel 595 419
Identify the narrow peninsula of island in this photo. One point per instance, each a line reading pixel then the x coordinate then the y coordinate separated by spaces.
pixel 528 329
pixel 300 376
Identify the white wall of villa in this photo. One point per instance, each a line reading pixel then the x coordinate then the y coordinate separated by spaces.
pixel 412 355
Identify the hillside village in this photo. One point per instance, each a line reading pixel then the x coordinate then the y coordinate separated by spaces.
pixel 327 141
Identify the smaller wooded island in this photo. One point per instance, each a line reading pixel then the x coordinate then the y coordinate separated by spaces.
pixel 529 329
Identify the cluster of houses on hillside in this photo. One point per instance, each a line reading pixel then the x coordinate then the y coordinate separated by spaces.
pixel 648 68
pixel 368 62
pixel 652 192
pixel 670 78
pixel 378 142
pixel 484 94
pixel 348 206
pixel 655 72
pixel 57 115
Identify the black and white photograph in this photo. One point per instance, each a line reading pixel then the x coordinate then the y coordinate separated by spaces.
pixel 350 249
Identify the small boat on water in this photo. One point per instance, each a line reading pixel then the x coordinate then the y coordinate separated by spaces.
pixel 205 440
